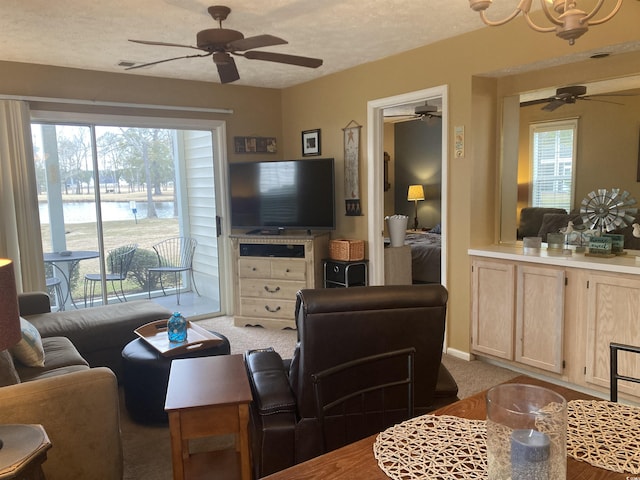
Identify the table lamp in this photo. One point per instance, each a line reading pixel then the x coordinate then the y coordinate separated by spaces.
pixel 415 193
pixel 10 333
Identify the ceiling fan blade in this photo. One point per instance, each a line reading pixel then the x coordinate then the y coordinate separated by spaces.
pixel 528 103
pixel 162 44
pixel 553 104
pixel 259 41
pixel 166 60
pixel 590 98
pixel 284 58
pixel 228 71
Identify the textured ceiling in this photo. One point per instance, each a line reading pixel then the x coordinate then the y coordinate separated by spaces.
pixel 344 33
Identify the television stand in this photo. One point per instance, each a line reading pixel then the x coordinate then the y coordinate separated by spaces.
pixel 268 272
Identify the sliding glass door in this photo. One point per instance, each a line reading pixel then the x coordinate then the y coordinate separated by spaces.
pixel 108 193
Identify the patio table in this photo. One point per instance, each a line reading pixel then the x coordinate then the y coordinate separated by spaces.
pixel 72 259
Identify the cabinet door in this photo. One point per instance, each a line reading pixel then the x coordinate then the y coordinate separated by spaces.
pixel 492 312
pixel 612 316
pixel 540 317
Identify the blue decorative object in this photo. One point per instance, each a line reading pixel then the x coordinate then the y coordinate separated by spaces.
pixel 177 328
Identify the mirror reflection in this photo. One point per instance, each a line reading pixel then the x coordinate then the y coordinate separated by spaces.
pixel 573 141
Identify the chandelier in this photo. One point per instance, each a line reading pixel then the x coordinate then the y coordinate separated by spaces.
pixel 569 21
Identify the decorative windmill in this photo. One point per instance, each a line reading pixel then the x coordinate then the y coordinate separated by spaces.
pixel 608 210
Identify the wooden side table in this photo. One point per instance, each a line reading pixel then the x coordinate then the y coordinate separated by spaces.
pixel 24 451
pixel 209 396
pixel 397 265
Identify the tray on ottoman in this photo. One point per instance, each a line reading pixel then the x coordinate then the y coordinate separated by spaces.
pixel 155 334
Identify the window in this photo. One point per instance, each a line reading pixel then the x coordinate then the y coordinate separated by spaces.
pixel 106 182
pixel 553 154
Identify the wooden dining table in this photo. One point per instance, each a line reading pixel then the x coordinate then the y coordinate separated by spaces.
pixel 356 461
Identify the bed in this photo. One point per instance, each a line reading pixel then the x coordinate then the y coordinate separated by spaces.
pixel 425 256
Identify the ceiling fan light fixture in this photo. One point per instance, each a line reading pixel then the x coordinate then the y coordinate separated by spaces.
pixel 568 21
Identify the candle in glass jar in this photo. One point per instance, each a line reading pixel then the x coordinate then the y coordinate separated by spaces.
pixel 529 455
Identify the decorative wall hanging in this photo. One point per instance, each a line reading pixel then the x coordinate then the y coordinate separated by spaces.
pixel 311 143
pixel 351 168
pixel 255 144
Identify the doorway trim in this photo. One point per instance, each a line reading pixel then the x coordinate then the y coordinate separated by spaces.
pixel 375 138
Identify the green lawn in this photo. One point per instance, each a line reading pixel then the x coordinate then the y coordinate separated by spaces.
pixel 83 236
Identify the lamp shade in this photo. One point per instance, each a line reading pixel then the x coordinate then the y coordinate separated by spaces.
pixel 416 192
pixel 9 314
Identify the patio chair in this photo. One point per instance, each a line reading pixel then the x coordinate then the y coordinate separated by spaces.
pixel 54 284
pixel 118 262
pixel 175 255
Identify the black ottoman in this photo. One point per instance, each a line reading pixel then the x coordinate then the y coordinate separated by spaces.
pixel 146 375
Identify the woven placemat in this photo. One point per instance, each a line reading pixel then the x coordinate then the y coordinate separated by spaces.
pixel 604 434
pixel 430 446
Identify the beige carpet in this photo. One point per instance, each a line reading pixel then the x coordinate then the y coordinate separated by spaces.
pixel 147 452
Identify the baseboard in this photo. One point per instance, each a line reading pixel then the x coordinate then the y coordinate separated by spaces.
pixel 460 354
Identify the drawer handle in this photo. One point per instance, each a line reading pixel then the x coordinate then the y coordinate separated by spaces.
pixel 336 269
pixel 253 269
pixel 271 290
pixel 271 310
pixel 287 270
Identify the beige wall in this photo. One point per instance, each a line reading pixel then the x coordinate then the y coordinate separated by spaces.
pixel 330 103
pixel 256 111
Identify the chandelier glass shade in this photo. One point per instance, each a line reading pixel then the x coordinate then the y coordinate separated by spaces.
pixel 567 20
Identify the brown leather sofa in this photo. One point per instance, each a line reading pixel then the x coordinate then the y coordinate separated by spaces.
pixel 336 326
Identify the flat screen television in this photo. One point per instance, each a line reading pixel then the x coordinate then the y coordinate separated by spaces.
pixel 271 196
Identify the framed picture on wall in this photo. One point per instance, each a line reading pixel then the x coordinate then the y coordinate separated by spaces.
pixel 255 145
pixel 311 142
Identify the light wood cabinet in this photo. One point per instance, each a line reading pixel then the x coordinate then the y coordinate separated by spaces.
pixel 540 317
pixel 493 308
pixel 613 315
pixel 268 273
pixel 556 316
pixel 518 313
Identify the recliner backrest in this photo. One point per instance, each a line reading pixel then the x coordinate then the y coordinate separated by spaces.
pixel 339 325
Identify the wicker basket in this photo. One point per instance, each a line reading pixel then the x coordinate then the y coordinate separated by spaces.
pixel 346 250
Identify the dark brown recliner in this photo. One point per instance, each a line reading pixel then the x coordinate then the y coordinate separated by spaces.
pixel 336 326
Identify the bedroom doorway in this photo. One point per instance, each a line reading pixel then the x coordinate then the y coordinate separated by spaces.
pixel 375 177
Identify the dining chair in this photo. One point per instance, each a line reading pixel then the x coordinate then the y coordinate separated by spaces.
pixel 615 376
pixel 175 255
pixel 118 264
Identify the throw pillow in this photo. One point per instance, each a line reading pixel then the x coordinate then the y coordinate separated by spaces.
pixel 29 351
pixel 8 374
pixel 553 222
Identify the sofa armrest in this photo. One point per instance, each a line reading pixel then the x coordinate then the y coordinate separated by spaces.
pixel 272 413
pixel 34 302
pixel 80 414
pixel 269 382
